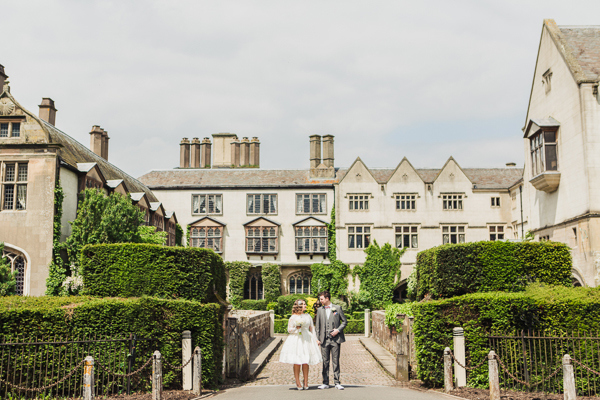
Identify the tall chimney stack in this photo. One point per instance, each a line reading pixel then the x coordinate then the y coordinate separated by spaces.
pixel 315 151
pixel 47 110
pixel 96 140
pixel 245 152
pixel 255 152
pixel 328 150
pixel 195 153
pixel 105 140
pixel 235 153
pixel 184 153
pixel 3 78
pixel 205 148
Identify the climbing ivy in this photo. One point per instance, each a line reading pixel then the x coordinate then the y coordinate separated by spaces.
pixel 271 277
pixel 8 281
pixel 331 249
pixel 380 272
pixel 188 235
pixel 238 273
pixel 332 277
pixel 178 235
pixel 57 268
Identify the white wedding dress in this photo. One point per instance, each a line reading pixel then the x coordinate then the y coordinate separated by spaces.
pixel 301 346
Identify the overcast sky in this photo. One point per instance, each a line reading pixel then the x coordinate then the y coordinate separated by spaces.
pixel 421 79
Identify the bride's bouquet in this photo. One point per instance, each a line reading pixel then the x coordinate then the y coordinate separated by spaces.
pixel 300 325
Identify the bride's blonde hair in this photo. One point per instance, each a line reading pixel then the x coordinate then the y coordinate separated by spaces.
pixel 297 307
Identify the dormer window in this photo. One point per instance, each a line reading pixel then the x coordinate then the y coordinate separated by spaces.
pixel 10 129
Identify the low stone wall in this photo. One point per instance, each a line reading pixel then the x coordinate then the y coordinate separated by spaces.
pixel 255 324
pixel 383 335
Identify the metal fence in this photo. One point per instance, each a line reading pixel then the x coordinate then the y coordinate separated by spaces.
pixel 532 358
pixel 41 361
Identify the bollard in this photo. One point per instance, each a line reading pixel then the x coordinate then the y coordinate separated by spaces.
pixel 186 353
pixel 568 378
pixel 197 385
pixel 367 322
pixel 448 385
pixel 157 384
pixel 272 323
pixel 88 378
pixel 460 375
pixel 493 376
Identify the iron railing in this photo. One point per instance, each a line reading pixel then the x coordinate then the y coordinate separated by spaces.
pixel 40 361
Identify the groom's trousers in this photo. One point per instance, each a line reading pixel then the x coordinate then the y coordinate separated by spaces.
pixel 331 349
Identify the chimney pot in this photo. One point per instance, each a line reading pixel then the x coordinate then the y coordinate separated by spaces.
pixel 47 110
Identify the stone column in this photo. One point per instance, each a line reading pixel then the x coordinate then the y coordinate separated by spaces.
pixel 272 323
pixel 197 385
pixel 195 162
pixel 460 374
pixel 568 378
pixel 493 376
pixel 448 385
pixel 88 378
pixel 157 376
pixel 367 322
pixel 184 153
pixel 186 353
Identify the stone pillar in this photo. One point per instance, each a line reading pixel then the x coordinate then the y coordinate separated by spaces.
pixel 328 150
pixel 205 150
pixel 367 322
pixel 235 153
pixel 493 376
pixel 460 374
pixel 186 354
pixel 88 378
pixel 197 384
pixel 157 376
pixel 195 153
pixel 255 152
pixel 245 152
pixel 568 378
pixel 315 151
pixel 184 153
pixel 402 374
pixel 272 323
pixel 448 385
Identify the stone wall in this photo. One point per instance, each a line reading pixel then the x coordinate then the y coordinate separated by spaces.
pixel 256 325
pixel 383 335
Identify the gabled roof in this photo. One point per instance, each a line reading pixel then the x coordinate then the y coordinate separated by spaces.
pixel 85 167
pixel 534 125
pixel 358 160
pixel 265 218
pixel 451 159
pixel 136 196
pixel 114 183
pixel 156 205
pixel 216 221
pixel 307 218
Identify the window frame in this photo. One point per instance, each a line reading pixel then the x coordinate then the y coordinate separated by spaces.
pixel 272 204
pixel 304 277
pixel 315 242
pixel 16 183
pixel 207 203
pixel 407 231
pixel 311 203
pixel 259 288
pixel 496 230
pixel 411 200
pixel 449 198
pixel 495 201
pixel 461 230
pixel 262 237
pixel 217 241
pixel 365 236
pixel 360 198
pixel 539 147
pixel 10 128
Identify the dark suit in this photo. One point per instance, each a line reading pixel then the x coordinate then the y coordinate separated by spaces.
pixel 330 346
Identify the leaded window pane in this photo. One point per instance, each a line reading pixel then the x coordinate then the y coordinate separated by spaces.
pixel 4 130
pixel 9 173
pixel 16 129
pixel 21 197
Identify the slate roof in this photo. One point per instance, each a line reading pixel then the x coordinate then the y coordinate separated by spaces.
pixel 72 152
pixel 483 178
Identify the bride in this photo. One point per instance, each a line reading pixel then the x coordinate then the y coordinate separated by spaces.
pixel 300 347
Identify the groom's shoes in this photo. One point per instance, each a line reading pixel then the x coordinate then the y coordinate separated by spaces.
pixel 323 386
pixel 339 387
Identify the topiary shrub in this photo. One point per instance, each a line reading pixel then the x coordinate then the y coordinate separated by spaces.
pixel 128 270
pixel 271 277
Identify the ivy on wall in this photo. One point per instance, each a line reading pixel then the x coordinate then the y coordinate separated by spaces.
pixel 271 277
pixel 178 235
pixel 188 234
pixel 380 272
pixel 332 277
pixel 8 282
pixel 331 249
pixel 238 273
pixel 57 269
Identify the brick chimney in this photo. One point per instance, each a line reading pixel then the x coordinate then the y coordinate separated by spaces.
pixel 328 150
pixel 195 154
pixel 96 140
pixel 3 78
pixel 47 110
pixel 235 153
pixel 315 151
pixel 105 140
pixel 321 168
pixel 205 149
pixel 184 153
pixel 255 152
pixel 245 152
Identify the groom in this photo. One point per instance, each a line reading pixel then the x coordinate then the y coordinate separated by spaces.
pixel 330 335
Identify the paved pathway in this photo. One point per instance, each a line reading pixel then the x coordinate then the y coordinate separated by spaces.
pixel 357 367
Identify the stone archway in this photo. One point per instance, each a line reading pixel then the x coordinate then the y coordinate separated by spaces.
pixel 18 260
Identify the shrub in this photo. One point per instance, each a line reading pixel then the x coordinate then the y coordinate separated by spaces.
pixel 332 277
pixel 147 317
pixel 281 325
pixel 272 306
pixel 271 277
pixel 238 273
pixel 8 282
pixel 394 309
pixel 260 305
pixel 457 269
pixel 128 270
pixel 285 303
pixel 360 301
pixel 556 310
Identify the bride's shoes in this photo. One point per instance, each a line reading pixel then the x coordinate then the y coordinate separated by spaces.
pixel 299 388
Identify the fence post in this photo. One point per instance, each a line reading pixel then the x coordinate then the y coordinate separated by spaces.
pixel 197 385
pixel 460 374
pixel 401 353
pixel 186 353
pixel 367 322
pixel 493 376
pixel 88 378
pixel 157 381
pixel 272 323
pixel 568 378
pixel 448 385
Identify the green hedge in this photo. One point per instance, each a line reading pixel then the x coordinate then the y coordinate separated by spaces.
pixel 74 317
pixel 271 277
pixel 555 310
pixel 127 270
pixel 354 326
pixel 457 269
pixel 260 305
pixel 285 303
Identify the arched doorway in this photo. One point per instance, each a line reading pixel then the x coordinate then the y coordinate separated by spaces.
pixel 18 263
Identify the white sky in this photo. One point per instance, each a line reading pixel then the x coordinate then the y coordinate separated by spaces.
pixel 421 79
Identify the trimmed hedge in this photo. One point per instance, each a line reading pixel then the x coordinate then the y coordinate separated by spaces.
pixel 457 269
pixel 260 305
pixel 77 316
pixel 285 303
pixel 354 326
pixel 555 310
pixel 129 269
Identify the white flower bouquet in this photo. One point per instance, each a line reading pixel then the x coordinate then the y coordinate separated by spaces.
pixel 300 325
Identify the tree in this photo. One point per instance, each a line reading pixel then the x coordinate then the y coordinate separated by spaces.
pixel 8 282
pixel 380 272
